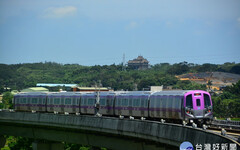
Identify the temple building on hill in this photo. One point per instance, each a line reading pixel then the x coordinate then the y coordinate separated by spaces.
pixel 139 63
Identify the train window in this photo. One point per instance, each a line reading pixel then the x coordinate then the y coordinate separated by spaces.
pixel 109 101
pixel 164 104
pixel 168 101
pixel 56 100
pixel 119 102
pixel 207 100
pixel 136 102
pixel 44 100
pixel 91 101
pixel 198 102
pixel 40 101
pixel 74 101
pixel 124 102
pixel 28 100
pixel 24 100
pixel 16 100
pixel 189 103
pixel 51 101
pixel 177 101
pixel 130 102
pixel 67 101
pixel 146 102
pixel 62 100
pixel 152 101
pixel 102 101
pixel 142 102
pixel 34 100
pixel 84 101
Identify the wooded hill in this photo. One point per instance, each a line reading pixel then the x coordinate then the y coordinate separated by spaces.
pixel 19 76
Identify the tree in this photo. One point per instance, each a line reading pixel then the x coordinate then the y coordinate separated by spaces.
pixel 209 84
pixel 19 143
pixel 7 100
pixel 228 103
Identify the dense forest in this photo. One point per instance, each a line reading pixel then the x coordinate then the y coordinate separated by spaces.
pixel 20 76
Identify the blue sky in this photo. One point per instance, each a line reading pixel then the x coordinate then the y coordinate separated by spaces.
pixel 90 32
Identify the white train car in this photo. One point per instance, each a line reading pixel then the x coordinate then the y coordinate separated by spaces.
pixel 132 104
pixel 106 106
pixel 87 103
pixel 166 104
pixel 63 102
pixel 30 101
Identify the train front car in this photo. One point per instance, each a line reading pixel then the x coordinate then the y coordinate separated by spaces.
pixel 198 106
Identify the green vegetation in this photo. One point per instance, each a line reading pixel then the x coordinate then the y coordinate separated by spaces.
pixel 20 76
pixel 18 143
pixel 228 103
pixel 7 100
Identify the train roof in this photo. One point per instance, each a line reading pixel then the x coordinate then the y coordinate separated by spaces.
pixel 136 93
pixel 63 93
pixel 174 92
pixel 30 93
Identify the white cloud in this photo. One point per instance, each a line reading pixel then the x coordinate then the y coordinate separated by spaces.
pixel 132 25
pixel 238 20
pixel 169 24
pixel 59 12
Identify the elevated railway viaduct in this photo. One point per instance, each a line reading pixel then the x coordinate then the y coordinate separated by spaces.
pixel 112 133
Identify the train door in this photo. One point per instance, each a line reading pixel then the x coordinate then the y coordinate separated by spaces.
pixel 198 104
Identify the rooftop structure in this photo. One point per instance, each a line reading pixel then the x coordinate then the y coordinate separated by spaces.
pixel 57 87
pixel 35 89
pixel 90 89
pixel 54 85
pixel 139 63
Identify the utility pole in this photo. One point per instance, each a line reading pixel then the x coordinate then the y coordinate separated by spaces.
pixel 97 104
pixel 123 63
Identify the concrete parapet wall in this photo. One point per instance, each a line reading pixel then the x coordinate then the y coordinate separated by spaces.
pixel 102 131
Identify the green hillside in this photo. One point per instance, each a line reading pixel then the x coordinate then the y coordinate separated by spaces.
pixel 20 76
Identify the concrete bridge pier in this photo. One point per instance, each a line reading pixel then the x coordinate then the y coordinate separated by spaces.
pixel 47 145
pixel 2 141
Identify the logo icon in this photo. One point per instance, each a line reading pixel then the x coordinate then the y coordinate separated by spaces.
pixel 186 146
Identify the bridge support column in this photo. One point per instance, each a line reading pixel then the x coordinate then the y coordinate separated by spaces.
pixel 2 141
pixel 47 145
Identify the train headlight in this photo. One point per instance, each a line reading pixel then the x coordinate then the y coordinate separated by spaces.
pixel 208 110
pixel 188 111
